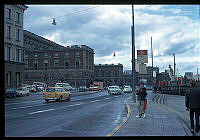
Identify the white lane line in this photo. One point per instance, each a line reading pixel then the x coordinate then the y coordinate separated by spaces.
pixel 41 111
pixel 95 101
pixel 28 106
pixel 22 102
pixel 75 105
pixel 107 98
pixel 116 96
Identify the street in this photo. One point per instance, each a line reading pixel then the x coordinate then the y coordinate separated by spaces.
pixel 95 114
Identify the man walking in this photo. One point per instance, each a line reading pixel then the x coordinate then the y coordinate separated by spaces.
pixel 192 102
pixel 141 96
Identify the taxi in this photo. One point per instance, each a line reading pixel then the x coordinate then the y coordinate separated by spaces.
pixel 56 93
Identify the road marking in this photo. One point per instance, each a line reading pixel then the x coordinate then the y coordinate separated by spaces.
pixel 40 111
pixel 22 102
pixel 115 96
pixel 123 122
pixel 28 106
pixel 107 98
pixel 75 105
pixel 95 101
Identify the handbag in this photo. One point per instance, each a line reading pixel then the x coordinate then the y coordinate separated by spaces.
pixel 145 104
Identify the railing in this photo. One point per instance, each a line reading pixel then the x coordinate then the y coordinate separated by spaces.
pixel 174 90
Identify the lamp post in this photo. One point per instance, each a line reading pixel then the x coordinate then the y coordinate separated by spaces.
pixel 133 54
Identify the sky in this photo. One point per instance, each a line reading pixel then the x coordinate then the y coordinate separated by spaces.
pixel 175 29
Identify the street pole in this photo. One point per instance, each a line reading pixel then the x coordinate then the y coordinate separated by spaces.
pixel 152 60
pixel 174 68
pixel 133 53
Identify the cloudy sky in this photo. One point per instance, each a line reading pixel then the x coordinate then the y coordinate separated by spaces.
pixel 107 29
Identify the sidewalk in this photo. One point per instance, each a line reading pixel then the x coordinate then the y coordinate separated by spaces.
pixel 158 122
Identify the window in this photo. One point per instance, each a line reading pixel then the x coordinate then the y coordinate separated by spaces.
pixel 17 34
pixel 8 53
pixel 77 53
pixel 56 63
pixel 66 54
pixel 17 55
pixel 56 54
pixel 36 55
pixel 46 54
pixel 35 65
pixel 8 13
pixel 9 31
pixel 23 56
pixel 8 78
pixel 17 79
pixel 77 64
pixel 66 64
pixel 17 17
pixel 46 64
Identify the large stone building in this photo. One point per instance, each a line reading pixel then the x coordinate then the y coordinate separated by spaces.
pixel 13 44
pixel 49 62
pixel 110 74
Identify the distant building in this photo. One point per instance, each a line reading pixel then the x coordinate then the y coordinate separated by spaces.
pixel 110 74
pixel 13 44
pixel 163 76
pixel 49 62
pixel 189 75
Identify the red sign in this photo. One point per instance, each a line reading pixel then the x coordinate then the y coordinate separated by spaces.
pixel 141 52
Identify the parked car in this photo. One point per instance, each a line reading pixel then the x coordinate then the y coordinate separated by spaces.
pixel 22 91
pixel 32 88
pixel 66 86
pixel 149 87
pixel 82 89
pixel 114 90
pixel 127 89
pixel 10 92
pixel 56 93
pixel 94 88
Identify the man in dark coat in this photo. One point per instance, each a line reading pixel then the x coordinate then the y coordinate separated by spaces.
pixel 141 96
pixel 192 102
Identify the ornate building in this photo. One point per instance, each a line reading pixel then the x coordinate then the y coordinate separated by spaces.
pixel 13 44
pixel 49 62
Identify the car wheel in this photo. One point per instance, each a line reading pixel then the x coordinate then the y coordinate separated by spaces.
pixel 47 100
pixel 60 99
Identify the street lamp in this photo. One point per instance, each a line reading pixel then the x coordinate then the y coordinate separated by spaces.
pixel 133 53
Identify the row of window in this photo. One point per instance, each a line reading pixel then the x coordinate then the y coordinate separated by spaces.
pixel 9 15
pixel 17 33
pixel 19 53
pixel 10 78
pixel 56 54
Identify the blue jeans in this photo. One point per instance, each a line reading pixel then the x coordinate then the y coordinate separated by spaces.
pixel 134 97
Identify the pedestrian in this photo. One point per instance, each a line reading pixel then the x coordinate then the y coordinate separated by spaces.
pixel 192 103
pixel 141 96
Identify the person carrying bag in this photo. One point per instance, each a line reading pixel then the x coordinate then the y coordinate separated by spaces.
pixel 141 97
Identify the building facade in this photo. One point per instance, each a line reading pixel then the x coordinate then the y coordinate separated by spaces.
pixel 13 44
pixel 127 76
pixel 49 62
pixel 109 74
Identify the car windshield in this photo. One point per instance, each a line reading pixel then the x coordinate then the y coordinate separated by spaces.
pixel 10 89
pixel 50 90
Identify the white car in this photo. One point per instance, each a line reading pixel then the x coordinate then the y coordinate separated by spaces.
pixel 66 86
pixel 22 91
pixel 114 90
pixel 127 89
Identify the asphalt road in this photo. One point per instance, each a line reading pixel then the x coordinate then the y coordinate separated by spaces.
pixel 95 114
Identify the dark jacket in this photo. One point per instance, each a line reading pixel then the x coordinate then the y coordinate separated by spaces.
pixel 192 98
pixel 142 93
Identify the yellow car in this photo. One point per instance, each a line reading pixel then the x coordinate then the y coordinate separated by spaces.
pixel 56 93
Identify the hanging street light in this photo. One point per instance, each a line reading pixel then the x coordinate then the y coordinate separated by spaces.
pixel 54 21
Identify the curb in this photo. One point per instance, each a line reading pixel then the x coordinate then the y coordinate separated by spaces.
pixel 124 120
